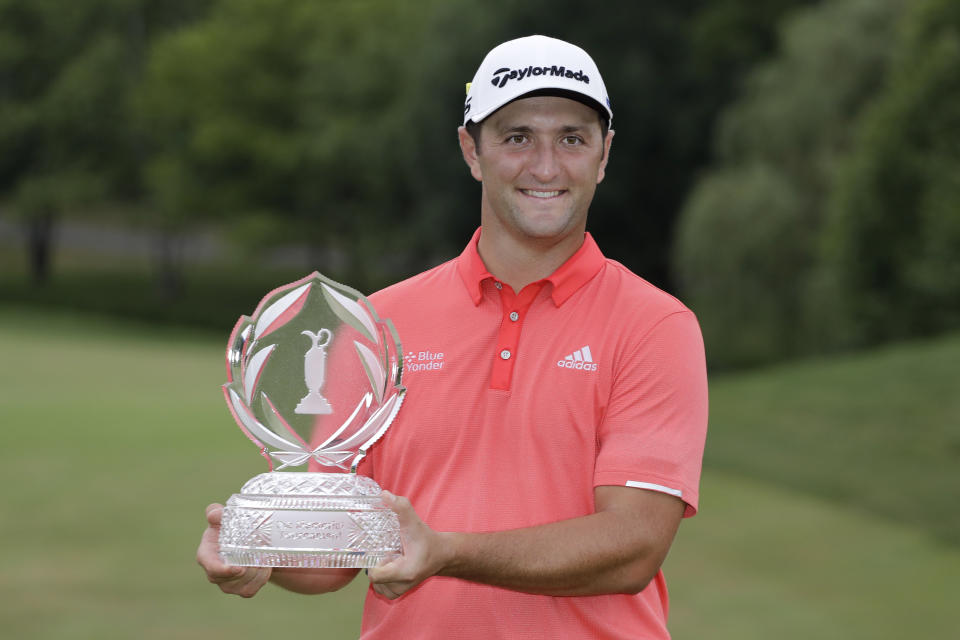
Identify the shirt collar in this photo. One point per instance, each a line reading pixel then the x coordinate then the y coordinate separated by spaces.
pixel 570 276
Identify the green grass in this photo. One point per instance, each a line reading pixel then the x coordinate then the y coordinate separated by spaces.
pixel 116 439
pixel 828 508
pixel 877 432
pixel 761 562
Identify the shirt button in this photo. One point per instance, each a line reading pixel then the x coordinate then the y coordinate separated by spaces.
pixel 498 285
pixel 505 354
pixel 514 316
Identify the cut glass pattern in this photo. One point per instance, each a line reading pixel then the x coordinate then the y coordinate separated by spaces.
pixel 343 525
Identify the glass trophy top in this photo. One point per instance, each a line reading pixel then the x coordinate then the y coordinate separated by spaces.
pixel 314 375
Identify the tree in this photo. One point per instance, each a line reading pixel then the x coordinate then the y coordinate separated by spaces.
pixel 746 291
pixel 792 124
pixel 65 73
pixel 891 249
pixel 58 68
pixel 290 129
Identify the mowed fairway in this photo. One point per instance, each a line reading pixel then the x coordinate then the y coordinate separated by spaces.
pixel 116 437
pixel 115 441
pixel 763 562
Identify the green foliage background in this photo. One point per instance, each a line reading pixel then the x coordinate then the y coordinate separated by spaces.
pixel 332 124
pixel 830 219
pixel 789 170
pixel 892 238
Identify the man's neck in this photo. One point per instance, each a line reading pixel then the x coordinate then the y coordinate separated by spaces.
pixel 519 262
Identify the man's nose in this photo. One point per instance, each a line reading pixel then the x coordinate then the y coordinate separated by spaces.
pixel 544 165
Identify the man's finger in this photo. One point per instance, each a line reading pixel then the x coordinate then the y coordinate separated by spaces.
pixel 208 553
pixel 402 507
pixel 384 573
pixel 252 576
pixel 217 570
pixel 229 574
pixel 214 514
pixel 387 591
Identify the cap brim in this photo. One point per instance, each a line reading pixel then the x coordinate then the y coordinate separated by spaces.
pixel 584 99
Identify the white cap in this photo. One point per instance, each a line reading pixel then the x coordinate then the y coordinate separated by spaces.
pixel 535 64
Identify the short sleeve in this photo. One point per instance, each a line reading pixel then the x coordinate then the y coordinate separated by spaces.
pixel 653 432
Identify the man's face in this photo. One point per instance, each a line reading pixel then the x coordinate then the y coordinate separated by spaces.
pixel 540 160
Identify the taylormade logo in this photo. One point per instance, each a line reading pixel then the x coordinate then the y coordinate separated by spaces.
pixel 502 76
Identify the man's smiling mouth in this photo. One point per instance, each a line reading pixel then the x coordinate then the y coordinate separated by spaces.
pixel 541 194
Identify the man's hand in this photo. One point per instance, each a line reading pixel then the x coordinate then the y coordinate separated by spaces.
pixel 424 552
pixel 242 581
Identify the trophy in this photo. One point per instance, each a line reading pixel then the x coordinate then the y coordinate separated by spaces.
pixel 313 378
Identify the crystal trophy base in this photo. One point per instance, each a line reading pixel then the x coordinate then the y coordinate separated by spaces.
pixel 309 520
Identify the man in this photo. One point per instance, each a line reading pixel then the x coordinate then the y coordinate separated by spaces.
pixel 552 435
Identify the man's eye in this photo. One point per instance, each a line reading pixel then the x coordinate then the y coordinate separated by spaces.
pixel 517 139
pixel 572 140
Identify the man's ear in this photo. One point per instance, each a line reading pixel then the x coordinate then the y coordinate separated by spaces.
pixel 469 149
pixel 606 156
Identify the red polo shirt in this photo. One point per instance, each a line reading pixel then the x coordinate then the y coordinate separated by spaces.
pixel 518 406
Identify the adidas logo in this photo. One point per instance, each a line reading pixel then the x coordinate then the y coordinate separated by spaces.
pixel 580 359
